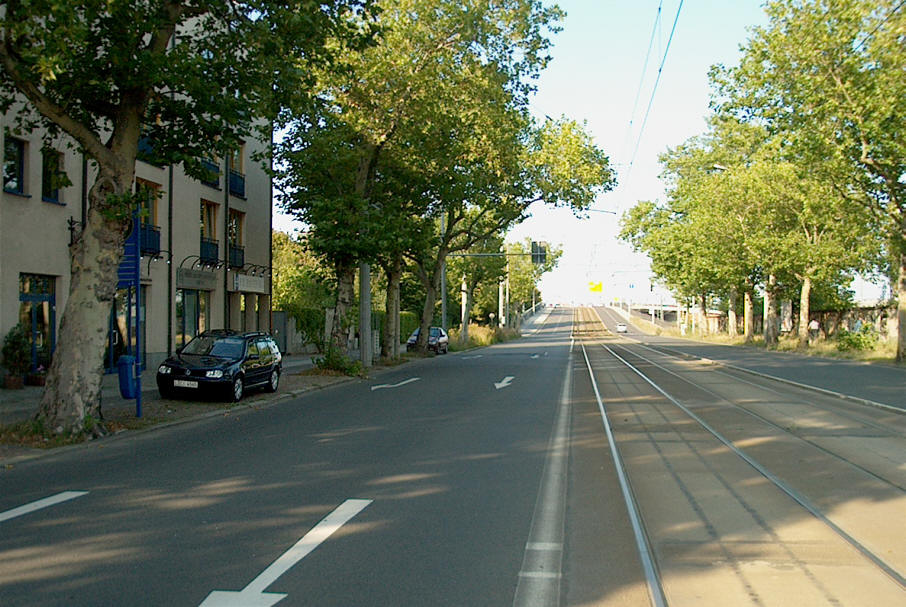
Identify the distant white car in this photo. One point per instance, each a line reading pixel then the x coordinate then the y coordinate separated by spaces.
pixel 621 327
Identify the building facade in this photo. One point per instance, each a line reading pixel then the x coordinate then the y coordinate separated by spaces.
pixel 205 248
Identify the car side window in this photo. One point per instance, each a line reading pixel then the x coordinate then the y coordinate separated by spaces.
pixel 264 349
pixel 253 350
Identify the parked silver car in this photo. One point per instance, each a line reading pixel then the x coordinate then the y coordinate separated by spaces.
pixel 437 340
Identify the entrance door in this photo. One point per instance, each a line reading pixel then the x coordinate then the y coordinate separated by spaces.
pixel 37 313
pixel 121 337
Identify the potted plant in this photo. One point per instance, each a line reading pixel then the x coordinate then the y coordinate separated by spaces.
pixel 16 356
pixel 36 377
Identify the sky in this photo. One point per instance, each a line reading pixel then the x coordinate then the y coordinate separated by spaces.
pixel 596 75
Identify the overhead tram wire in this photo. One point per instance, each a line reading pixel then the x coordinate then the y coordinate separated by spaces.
pixel 660 70
pixel 638 93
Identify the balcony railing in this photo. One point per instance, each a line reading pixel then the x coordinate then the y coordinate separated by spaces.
pixel 237 183
pixel 149 239
pixel 213 170
pixel 237 255
pixel 210 249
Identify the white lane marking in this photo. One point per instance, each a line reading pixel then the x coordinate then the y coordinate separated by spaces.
pixel 538 582
pixel 473 356
pixel 402 383
pixel 65 496
pixel 534 356
pixel 506 381
pixel 253 595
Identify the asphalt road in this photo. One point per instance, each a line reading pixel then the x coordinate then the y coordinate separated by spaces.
pixel 450 462
pixel 478 478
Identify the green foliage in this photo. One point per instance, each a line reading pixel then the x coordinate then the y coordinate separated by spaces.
pixel 17 351
pixel 310 325
pixel 300 279
pixel 480 335
pixel 409 322
pixel 864 339
pixel 336 361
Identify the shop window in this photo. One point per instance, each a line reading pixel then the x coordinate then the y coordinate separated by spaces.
pixel 37 309
pixel 192 314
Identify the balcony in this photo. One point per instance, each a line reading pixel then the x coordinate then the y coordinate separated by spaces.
pixel 210 249
pixel 213 171
pixel 237 255
pixel 149 239
pixel 237 183
pixel 146 152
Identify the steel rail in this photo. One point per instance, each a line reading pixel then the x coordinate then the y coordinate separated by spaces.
pixel 795 495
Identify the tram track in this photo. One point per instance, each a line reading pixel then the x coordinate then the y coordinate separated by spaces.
pixel 648 428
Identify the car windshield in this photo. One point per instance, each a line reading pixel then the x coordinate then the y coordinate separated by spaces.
pixel 435 332
pixel 222 347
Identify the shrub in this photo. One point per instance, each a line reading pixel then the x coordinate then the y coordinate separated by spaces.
pixel 864 339
pixel 334 360
pixel 480 335
pixel 310 324
pixel 409 322
pixel 17 351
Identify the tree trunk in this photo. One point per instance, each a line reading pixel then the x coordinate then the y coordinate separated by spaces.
pixel 703 304
pixel 466 294
pixel 770 315
pixel 804 295
pixel 901 311
pixel 427 316
pixel 345 296
pixel 390 332
pixel 731 312
pixel 748 314
pixel 71 401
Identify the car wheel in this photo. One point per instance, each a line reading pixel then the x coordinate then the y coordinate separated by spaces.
pixel 238 389
pixel 274 381
pixel 445 349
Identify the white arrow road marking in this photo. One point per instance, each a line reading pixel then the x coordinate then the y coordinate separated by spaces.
pixel 253 595
pixel 534 356
pixel 402 383
pixel 504 382
pixel 65 496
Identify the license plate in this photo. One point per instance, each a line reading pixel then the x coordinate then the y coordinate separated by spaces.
pixel 184 383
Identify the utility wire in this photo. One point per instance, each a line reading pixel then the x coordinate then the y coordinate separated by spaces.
pixel 638 93
pixel 892 12
pixel 660 69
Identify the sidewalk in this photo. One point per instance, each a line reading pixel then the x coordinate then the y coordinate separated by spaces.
pixel 20 405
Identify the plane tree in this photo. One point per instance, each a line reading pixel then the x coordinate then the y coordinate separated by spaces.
pixel 194 77
pixel 438 64
pixel 500 172
pixel 826 78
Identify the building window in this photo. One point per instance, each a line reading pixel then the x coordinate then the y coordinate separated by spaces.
pixel 149 193
pixel 209 247
pixel 14 165
pixel 192 308
pixel 237 172
pixel 52 175
pixel 235 227
pixel 208 219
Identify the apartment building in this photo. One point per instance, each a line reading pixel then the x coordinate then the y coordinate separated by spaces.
pixel 205 247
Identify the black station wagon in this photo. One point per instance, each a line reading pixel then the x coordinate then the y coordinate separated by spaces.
pixel 221 362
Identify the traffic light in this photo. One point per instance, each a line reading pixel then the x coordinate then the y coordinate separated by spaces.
pixel 539 252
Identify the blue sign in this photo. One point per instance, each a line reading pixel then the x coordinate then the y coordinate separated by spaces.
pixel 130 267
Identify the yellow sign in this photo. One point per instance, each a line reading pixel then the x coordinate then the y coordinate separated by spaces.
pixel 595 287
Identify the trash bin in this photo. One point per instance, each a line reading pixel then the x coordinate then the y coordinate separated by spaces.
pixel 126 368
